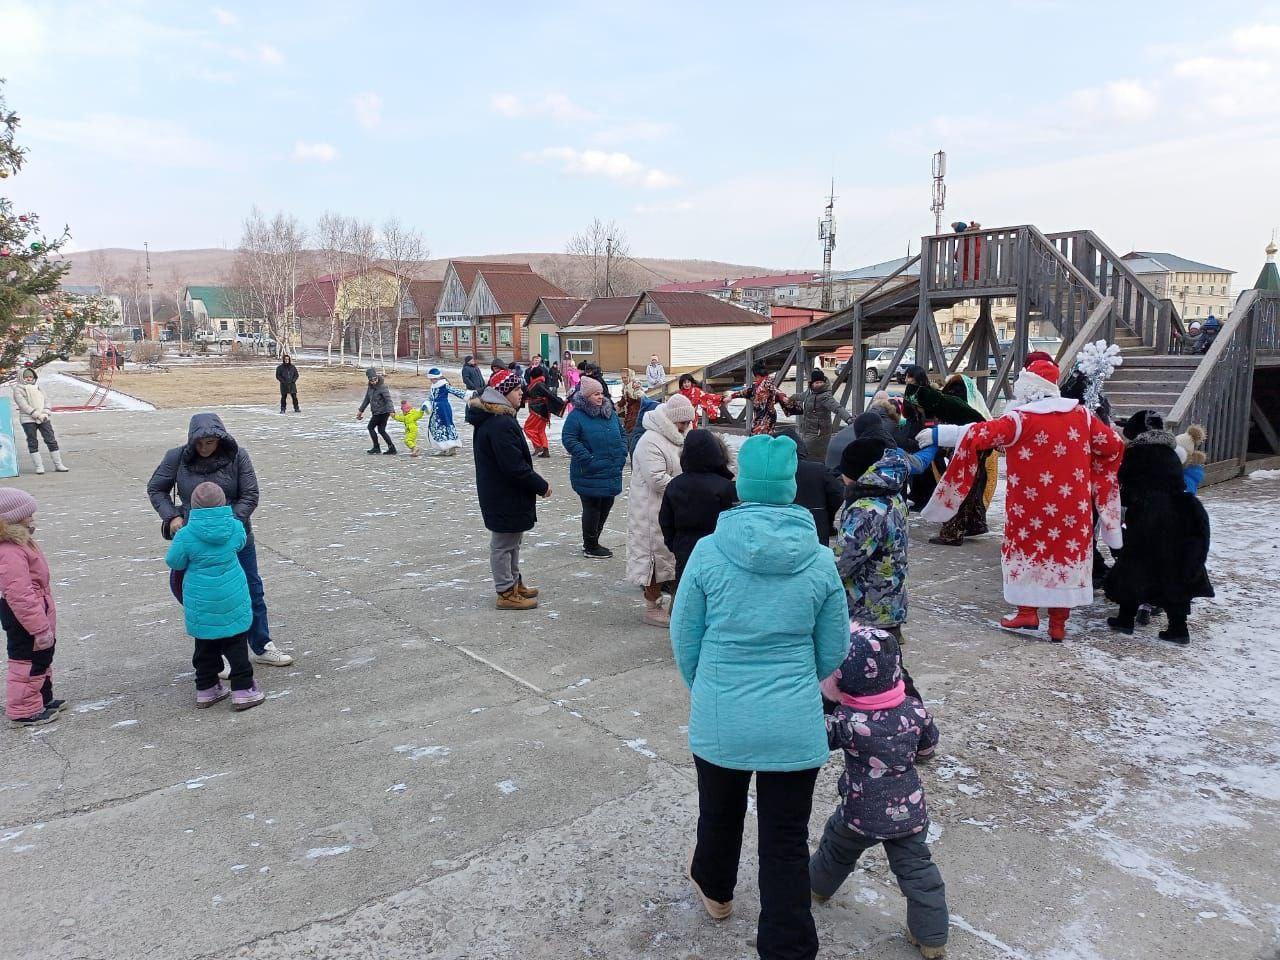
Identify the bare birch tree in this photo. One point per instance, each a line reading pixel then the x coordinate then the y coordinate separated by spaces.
pixel 403 251
pixel 601 264
pixel 266 272
pixel 330 260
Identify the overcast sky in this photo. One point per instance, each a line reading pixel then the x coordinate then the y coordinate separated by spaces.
pixel 707 130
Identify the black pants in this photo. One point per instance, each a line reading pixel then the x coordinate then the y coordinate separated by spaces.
pixel 288 392
pixel 208 661
pixel 595 511
pixel 378 425
pixel 783 804
pixel 45 430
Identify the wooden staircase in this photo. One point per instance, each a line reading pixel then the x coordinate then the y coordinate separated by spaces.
pixel 1146 381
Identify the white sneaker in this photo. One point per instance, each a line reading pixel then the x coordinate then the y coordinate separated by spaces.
pixel 272 656
pixel 225 672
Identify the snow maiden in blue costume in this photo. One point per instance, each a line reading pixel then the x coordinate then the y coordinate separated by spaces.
pixel 440 429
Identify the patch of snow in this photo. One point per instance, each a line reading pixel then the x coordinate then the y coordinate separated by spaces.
pixel 96 705
pixel 507 786
pixel 316 853
pixel 123 723
pixel 640 747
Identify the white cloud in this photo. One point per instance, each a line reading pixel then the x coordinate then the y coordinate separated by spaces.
pixel 507 104
pixel 368 109
pixel 1257 38
pixel 319 152
pixel 1121 99
pixel 621 167
pixel 631 130
pixel 140 140
pixel 270 55
pixel 555 106
pixel 225 17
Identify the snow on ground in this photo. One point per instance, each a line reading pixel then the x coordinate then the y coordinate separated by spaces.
pixel 64 390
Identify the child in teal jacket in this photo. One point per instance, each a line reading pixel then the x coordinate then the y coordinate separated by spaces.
pixel 215 597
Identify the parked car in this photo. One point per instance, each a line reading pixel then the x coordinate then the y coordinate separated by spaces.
pixel 878 360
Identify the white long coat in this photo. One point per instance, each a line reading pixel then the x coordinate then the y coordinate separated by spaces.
pixel 653 465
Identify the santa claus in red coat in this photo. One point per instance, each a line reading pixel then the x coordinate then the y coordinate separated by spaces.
pixel 1060 465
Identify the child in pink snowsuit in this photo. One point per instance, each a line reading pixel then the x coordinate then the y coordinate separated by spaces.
pixel 27 613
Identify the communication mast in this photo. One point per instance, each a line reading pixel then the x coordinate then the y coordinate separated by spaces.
pixel 151 307
pixel 827 234
pixel 939 190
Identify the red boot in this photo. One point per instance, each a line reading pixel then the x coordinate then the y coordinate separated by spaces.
pixel 1058 623
pixel 1027 618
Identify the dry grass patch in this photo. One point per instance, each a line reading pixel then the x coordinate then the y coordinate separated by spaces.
pixel 199 386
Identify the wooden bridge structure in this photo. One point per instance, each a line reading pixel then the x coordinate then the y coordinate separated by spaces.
pixel 1084 291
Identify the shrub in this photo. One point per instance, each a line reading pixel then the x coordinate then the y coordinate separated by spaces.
pixel 149 352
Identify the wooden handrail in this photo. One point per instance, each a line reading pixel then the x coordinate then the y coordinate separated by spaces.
pixel 1076 273
pixel 1088 334
pixel 1231 329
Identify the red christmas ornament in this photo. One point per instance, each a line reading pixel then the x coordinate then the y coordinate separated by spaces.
pixel 5 251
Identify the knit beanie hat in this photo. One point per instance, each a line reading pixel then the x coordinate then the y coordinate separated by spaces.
pixel 817 376
pixel 16 505
pixel 767 470
pixel 590 387
pixel 207 494
pixel 679 410
pixel 1035 356
pixel 371 373
pixel 859 456
pixel 1141 422
pixel 434 372
pixel 506 381
pixel 873 664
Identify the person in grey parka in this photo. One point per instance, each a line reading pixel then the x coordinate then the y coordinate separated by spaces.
pixel 815 408
pixel 212 454
pixel 377 398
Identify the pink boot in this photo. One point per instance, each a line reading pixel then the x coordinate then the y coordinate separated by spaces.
pixel 247 699
pixel 207 698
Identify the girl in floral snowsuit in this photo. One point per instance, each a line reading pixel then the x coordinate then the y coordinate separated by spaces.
pixel 764 396
pixel 883 733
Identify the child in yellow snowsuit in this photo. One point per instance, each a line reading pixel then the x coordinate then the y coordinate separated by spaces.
pixel 409 417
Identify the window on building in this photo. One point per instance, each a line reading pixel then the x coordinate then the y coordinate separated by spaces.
pixel 224 326
pixel 483 337
pixel 464 336
pixel 580 346
pixel 504 334
pixel 1197 310
pixel 446 337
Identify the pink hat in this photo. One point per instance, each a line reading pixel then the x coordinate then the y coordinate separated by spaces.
pixel 590 387
pixel 678 409
pixel 16 505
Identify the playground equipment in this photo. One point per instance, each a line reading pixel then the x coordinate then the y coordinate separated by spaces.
pixel 1075 283
pixel 105 357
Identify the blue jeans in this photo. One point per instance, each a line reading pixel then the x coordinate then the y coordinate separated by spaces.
pixel 259 631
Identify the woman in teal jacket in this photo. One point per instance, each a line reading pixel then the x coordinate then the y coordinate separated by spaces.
pixel 598 450
pixel 759 620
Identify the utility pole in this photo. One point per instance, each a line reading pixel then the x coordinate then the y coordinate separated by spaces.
pixel 827 234
pixel 939 190
pixel 151 307
pixel 608 266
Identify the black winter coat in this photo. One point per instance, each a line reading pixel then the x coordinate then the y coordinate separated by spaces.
pixel 1166 533
pixel 543 401
pixel 287 374
pixel 473 378
pixel 183 469
pixel 821 493
pixel 506 483
pixel 694 500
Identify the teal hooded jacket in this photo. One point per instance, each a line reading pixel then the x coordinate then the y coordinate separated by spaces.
pixel 215 593
pixel 760 617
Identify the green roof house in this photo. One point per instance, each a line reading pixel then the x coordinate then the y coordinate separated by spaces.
pixel 222 309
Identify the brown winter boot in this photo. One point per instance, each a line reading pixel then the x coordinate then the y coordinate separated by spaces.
pixel 529 593
pixel 929 953
pixel 511 600
pixel 715 909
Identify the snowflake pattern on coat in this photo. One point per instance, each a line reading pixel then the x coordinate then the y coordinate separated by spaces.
pixel 881 795
pixel 1061 463
pixel 440 426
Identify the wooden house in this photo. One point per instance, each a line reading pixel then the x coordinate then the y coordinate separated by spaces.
pixel 498 306
pixel 455 332
pixel 688 330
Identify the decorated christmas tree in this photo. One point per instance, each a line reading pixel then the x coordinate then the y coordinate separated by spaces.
pixel 37 322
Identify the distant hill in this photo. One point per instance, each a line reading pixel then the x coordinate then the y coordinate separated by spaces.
pixel 215 265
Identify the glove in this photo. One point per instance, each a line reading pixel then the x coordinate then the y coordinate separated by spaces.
pixel 926 438
pixel 45 640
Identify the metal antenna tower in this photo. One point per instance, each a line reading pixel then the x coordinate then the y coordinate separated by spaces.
pixel 151 306
pixel 939 190
pixel 827 234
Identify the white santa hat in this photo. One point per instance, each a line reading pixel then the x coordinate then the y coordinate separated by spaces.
pixel 1037 381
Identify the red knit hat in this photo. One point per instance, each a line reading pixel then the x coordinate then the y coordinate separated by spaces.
pixel 1035 356
pixel 1047 369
